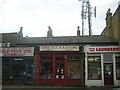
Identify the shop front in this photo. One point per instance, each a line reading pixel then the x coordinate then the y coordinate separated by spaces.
pixel 59 65
pixel 17 65
pixel 102 65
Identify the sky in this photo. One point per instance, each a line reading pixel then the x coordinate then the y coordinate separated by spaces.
pixel 63 16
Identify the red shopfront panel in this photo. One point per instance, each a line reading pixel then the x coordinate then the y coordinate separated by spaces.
pixel 73 82
pixel 59 65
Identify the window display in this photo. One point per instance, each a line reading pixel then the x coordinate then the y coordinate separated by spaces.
pixel 94 68
pixel 46 70
pixel 59 71
pixel 118 68
pixel 74 70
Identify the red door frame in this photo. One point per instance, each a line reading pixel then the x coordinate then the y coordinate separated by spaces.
pixel 60 81
pixel 53 80
pixel 46 81
pixel 37 69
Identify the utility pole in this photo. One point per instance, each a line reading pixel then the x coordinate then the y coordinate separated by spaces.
pixel 86 15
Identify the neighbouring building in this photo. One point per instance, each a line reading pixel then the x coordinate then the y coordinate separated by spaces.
pixel 102 63
pixel 63 60
pixel 112 28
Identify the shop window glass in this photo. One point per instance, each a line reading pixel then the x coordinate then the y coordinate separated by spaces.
pixel 6 60
pixel 73 58
pixel 46 70
pixel 74 70
pixel 17 68
pixel 47 58
pixel 94 68
pixel 18 71
pixel 5 70
pixel 29 61
pixel 118 67
pixel 5 67
pixel 59 58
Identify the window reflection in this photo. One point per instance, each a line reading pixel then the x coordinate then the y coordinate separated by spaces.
pixel 94 68
pixel 46 70
pixel 74 70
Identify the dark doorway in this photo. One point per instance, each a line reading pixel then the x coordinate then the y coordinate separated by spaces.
pixel 108 74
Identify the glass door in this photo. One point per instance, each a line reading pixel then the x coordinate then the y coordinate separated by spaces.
pixel 29 74
pixel 59 71
pixel 108 74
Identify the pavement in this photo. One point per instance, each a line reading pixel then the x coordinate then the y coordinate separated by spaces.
pixel 34 87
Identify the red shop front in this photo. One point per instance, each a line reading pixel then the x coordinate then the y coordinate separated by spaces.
pixel 58 65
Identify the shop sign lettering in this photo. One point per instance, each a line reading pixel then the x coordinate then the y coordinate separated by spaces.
pixel 102 49
pixel 17 51
pixel 59 48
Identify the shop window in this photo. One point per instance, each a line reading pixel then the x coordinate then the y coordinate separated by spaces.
pixel 46 70
pixel 73 58
pixel 5 67
pixel 5 70
pixel 118 68
pixel 17 68
pixel 74 70
pixel 18 71
pixel 29 61
pixel 59 58
pixel 47 58
pixel 94 68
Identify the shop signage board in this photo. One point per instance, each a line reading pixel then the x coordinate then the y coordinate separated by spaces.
pixel 17 51
pixel 101 49
pixel 59 48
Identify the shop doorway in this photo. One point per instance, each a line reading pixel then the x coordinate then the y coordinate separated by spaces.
pixel 29 74
pixel 108 74
pixel 60 74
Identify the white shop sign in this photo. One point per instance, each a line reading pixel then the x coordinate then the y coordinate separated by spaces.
pixel 100 49
pixel 17 51
pixel 59 48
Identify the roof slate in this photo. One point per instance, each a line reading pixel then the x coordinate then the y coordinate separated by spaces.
pixel 67 39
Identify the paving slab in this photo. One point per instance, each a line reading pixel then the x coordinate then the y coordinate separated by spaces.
pixel 34 87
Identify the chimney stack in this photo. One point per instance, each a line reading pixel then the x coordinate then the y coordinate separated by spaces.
pixel 21 32
pixel 78 31
pixel 21 29
pixel 49 33
pixel 108 18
